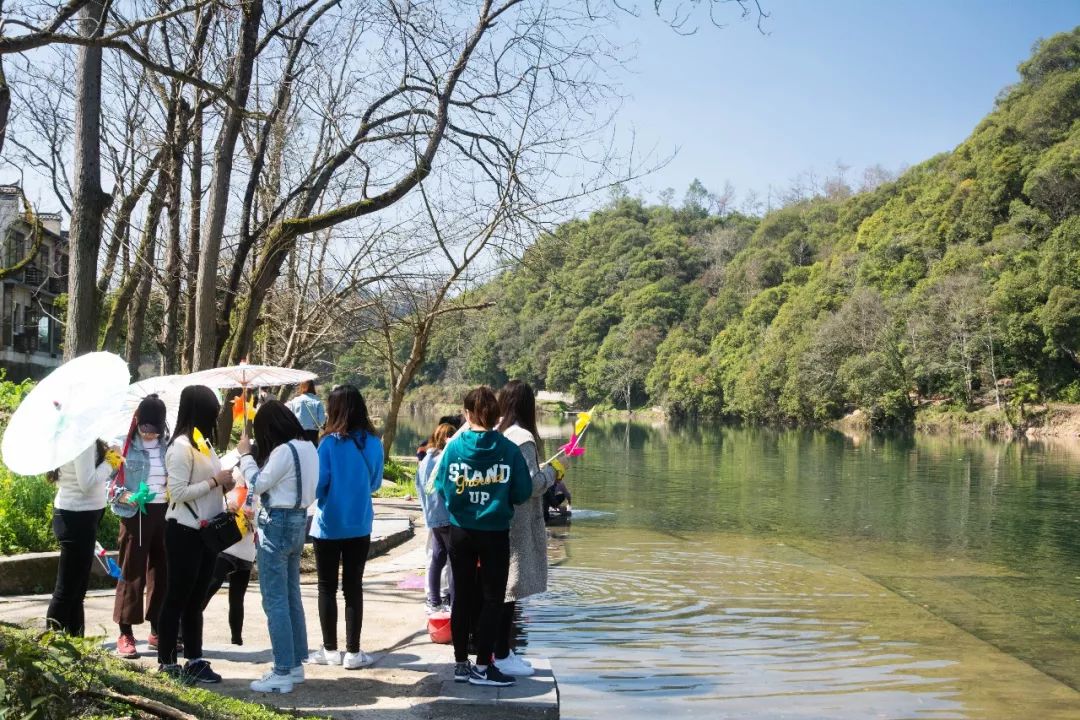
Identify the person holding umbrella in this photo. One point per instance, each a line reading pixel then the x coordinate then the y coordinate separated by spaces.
pixel 77 510
pixel 55 430
pixel 196 486
pixel 142 534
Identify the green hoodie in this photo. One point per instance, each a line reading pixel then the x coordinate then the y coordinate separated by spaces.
pixel 482 475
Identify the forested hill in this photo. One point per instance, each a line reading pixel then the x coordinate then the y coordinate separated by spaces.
pixel 959 280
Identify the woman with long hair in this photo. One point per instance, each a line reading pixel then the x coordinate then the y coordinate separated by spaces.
pixel 77 510
pixel 143 572
pixel 309 410
pixel 283 471
pixel 350 470
pixel 196 488
pixel 528 536
pixel 482 476
pixel 435 517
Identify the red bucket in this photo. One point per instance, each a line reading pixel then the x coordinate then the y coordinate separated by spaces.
pixel 438 627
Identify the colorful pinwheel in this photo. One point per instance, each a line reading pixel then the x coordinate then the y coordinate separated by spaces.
pixel 574 448
pixel 200 442
pixel 242 409
pixel 107 562
pixel 142 496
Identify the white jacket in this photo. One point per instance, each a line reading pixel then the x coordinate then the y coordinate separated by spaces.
pixel 277 477
pixel 80 485
pixel 191 498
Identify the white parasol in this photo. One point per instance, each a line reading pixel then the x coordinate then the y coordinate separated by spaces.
pixel 166 387
pixel 65 413
pixel 248 376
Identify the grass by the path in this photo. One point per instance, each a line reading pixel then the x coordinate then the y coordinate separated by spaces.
pixel 53 677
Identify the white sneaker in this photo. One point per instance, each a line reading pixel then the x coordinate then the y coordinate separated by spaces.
pixel 520 659
pixel 513 666
pixel 356 660
pixel 271 682
pixel 322 656
pixel 297 674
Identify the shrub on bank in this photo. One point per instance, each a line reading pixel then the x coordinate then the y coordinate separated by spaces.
pixel 26 516
pixel 50 676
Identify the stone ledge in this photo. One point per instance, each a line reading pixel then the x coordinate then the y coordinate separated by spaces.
pixel 533 697
pixel 35 573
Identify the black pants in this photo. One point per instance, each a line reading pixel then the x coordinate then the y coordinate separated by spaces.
pixel 76 531
pixel 350 556
pixel 504 638
pixel 492 549
pixel 238 572
pixel 191 565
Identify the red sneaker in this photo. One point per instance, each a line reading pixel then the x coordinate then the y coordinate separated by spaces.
pixel 151 641
pixel 125 647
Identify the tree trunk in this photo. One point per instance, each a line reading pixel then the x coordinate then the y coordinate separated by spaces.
pixel 5 104
pixel 170 331
pixel 89 201
pixel 218 203
pixel 137 316
pixel 194 243
pixel 144 261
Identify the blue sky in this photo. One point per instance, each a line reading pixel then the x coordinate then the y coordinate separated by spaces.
pixel 865 82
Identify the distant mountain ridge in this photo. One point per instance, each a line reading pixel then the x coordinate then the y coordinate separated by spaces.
pixel 959 281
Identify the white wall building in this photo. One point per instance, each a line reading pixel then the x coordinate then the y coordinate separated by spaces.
pixel 30 338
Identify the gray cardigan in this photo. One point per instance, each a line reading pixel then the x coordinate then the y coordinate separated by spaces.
pixel 528 536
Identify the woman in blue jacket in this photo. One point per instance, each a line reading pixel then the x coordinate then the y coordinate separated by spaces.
pixel 350 470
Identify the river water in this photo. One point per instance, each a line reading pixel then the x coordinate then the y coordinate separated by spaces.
pixel 719 572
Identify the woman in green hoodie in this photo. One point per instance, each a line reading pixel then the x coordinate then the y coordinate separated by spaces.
pixel 482 476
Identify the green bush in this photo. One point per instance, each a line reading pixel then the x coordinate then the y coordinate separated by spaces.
pixel 25 513
pixel 44 676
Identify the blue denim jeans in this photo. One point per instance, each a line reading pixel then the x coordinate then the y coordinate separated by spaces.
pixel 281 539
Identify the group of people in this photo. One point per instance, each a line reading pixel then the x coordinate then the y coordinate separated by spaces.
pixel 481 482
pixel 169 565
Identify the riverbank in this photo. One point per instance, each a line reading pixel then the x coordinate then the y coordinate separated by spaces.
pixel 1053 420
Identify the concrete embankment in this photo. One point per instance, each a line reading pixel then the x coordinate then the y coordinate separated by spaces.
pixel 410 678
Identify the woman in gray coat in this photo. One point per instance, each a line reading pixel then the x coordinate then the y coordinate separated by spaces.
pixel 528 536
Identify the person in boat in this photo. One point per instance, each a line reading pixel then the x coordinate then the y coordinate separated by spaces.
pixel 557 498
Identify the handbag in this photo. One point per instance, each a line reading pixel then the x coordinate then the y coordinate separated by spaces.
pixel 220 531
pixel 118 492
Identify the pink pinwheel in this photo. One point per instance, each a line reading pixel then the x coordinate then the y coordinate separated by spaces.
pixel 572 449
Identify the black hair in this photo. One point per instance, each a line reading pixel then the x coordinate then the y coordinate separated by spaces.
pixel 346 412
pixel 199 408
pixel 456 420
pixel 482 405
pixel 274 424
pixel 151 409
pixel 517 404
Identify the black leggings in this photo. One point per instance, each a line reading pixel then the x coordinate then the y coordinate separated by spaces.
pixel 238 572
pixel 350 556
pixel 492 549
pixel 191 566
pixel 76 531
pixel 504 638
